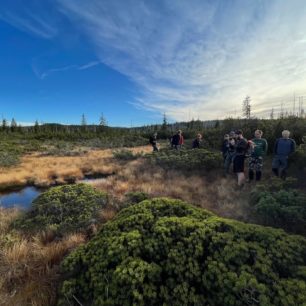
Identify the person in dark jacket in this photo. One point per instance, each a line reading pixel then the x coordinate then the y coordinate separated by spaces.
pixel 283 147
pixel 229 148
pixel 197 142
pixel 153 142
pixel 225 146
pixel 177 140
pixel 238 161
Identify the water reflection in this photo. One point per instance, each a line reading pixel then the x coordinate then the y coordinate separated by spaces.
pixel 22 198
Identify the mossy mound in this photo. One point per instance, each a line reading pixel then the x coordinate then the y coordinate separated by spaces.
pixel 63 209
pixel 167 252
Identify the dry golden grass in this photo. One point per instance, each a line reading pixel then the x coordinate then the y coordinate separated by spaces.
pixel 46 170
pixel 212 192
pixel 7 215
pixel 30 270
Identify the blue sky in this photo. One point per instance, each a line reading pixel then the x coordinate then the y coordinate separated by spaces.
pixel 134 60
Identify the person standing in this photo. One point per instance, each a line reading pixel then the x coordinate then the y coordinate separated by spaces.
pixel 230 152
pixel 153 142
pixel 196 144
pixel 283 147
pixel 177 140
pixel 259 148
pixel 238 161
pixel 225 146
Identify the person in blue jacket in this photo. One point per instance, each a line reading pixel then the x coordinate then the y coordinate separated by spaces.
pixel 283 147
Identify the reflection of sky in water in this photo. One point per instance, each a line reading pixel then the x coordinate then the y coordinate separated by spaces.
pixel 21 198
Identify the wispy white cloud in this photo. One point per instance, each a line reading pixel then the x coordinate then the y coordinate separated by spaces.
pixel 190 58
pixel 44 74
pixel 88 65
pixel 200 57
pixel 27 21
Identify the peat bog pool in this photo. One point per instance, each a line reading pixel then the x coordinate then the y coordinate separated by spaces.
pixel 23 198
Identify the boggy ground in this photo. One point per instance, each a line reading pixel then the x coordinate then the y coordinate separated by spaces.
pixel 205 189
pixel 29 266
pixel 41 170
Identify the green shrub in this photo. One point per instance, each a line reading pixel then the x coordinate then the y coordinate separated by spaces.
pixel 198 159
pixel 299 157
pixel 8 159
pixel 167 252
pixel 64 209
pixel 126 155
pixel 280 205
pixel 135 197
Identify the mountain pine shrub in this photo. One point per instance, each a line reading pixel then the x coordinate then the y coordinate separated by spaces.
pixel 280 205
pixel 167 252
pixel 64 209
pixel 197 159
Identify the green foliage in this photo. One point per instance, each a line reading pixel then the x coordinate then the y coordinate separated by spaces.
pixel 8 159
pixel 299 157
pixel 167 252
pixel 279 205
pixel 135 197
pixel 198 159
pixel 126 155
pixel 9 154
pixel 64 209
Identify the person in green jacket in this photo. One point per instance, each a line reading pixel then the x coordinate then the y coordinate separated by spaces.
pixel 259 148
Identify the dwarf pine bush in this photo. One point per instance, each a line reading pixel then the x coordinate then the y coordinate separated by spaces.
pixel 198 159
pixel 299 157
pixel 278 204
pixel 64 209
pixel 167 252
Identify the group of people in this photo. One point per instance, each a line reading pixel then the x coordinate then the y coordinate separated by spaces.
pixel 176 141
pixel 236 148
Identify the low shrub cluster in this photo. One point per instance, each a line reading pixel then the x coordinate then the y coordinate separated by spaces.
pixel 199 159
pixel 135 197
pixel 125 154
pixel 299 157
pixel 9 154
pixel 167 252
pixel 63 209
pixel 280 205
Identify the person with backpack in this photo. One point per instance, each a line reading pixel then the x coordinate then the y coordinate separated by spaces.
pixel 239 156
pixel 197 142
pixel 283 147
pixel 153 142
pixel 258 149
pixel 228 151
pixel 177 140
